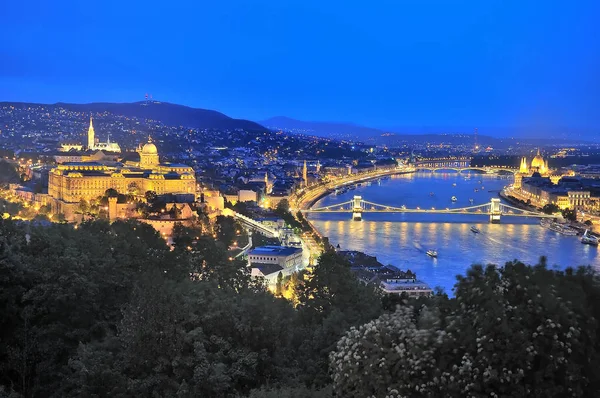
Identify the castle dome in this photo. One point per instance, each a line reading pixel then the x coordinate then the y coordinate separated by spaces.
pixel 149 149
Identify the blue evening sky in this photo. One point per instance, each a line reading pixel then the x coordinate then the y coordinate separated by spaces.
pixel 529 64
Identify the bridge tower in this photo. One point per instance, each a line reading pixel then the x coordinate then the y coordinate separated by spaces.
pixel 495 211
pixel 357 208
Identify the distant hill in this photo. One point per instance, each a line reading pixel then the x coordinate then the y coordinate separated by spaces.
pixel 399 135
pixel 164 112
pixel 321 129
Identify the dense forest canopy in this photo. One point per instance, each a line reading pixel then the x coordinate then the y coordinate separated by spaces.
pixel 109 310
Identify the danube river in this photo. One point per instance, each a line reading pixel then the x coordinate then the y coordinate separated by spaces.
pixel 403 239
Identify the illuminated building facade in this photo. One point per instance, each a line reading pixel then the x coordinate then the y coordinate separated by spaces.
pixel 538 165
pixel 95 145
pixel 92 143
pixel 537 184
pixel 70 182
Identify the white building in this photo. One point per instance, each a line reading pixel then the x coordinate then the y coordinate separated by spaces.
pixel 285 257
pixel 94 145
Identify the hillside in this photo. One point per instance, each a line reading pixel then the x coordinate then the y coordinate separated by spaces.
pixel 321 129
pixel 164 112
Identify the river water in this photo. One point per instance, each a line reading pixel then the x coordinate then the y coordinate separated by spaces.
pixel 403 239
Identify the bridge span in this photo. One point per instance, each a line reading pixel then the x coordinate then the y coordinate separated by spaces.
pixel 494 209
pixel 487 170
pixel 460 166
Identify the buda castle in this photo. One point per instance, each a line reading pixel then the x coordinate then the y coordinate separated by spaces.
pixel 70 182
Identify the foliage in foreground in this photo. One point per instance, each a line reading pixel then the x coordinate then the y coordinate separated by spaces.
pixel 513 331
pixel 110 310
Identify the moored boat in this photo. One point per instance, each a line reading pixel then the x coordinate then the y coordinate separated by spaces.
pixel 588 239
pixel 558 227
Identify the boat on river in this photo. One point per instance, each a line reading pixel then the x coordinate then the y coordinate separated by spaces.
pixel 558 227
pixel 475 230
pixel 454 199
pixel 432 253
pixel 588 239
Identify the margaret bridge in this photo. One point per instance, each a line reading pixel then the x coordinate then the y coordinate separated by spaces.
pixel 459 166
pixel 494 209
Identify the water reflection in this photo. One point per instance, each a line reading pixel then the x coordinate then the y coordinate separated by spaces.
pixel 402 239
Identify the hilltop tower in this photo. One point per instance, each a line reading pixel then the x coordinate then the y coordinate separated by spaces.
pixel 91 144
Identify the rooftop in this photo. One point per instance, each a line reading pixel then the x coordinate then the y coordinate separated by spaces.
pixel 401 285
pixel 275 251
pixel 266 269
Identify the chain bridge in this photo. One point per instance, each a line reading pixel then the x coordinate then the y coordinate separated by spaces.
pixel 494 209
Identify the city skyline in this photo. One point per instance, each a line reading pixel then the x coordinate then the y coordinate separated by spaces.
pixel 299 199
pixel 492 65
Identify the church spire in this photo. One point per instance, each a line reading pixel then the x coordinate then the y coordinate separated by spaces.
pixel 305 174
pixel 523 168
pixel 91 135
pixel 266 182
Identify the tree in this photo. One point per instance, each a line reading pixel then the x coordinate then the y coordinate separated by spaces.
pixel 283 207
pixel 8 173
pixel 150 196
pixel 512 331
pixel 242 208
pixel 279 285
pixel 550 208
pixel 570 214
pixel 45 209
pixel 83 206
pixel 330 301
pixel 111 193
pixel 226 229
pixel 133 189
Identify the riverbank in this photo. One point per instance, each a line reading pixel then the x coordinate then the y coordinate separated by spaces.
pixel 580 227
pixel 308 199
pixel 516 202
pixel 403 240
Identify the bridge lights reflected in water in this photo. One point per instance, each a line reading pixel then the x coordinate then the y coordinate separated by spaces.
pixel 394 238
